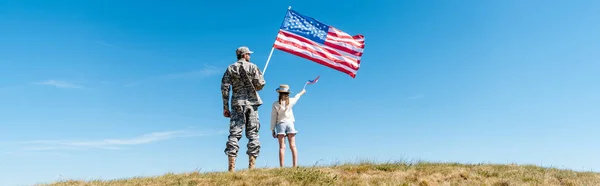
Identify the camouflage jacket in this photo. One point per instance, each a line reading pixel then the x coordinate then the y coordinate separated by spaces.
pixel 245 80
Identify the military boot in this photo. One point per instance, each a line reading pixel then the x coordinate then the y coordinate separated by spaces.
pixel 231 167
pixel 252 162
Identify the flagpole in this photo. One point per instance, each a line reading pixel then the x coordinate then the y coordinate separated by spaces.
pixel 268 59
pixel 272 49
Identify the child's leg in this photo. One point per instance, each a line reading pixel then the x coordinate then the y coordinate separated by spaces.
pixel 281 139
pixel 291 133
pixel 292 141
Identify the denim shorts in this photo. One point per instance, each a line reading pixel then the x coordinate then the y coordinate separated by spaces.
pixel 285 128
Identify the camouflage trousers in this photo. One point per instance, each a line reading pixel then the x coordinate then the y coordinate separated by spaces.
pixel 243 116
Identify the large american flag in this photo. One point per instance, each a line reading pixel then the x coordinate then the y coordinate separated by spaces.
pixel 308 38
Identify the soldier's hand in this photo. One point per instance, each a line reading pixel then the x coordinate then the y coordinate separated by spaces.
pixel 226 113
pixel 274 136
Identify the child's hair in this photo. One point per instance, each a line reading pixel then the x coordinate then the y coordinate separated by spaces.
pixel 284 97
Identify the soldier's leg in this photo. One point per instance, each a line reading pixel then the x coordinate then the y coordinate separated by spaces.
pixel 236 126
pixel 252 127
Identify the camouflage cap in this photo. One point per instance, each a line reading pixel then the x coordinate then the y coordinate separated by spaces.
pixel 243 50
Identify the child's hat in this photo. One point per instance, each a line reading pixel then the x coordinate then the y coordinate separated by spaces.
pixel 283 88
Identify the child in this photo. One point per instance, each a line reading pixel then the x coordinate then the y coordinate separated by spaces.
pixel 282 121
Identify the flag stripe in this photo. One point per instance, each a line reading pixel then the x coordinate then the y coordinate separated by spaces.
pixel 343 47
pixel 357 42
pixel 341 34
pixel 342 53
pixel 350 42
pixel 305 44
pixel 344 43
pixel 338 35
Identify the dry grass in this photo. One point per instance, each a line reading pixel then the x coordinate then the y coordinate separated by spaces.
pixel 418 174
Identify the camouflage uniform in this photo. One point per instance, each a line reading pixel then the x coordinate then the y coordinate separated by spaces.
pixel 245 80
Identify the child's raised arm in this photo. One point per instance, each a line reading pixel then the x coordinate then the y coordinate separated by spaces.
pixel 297 96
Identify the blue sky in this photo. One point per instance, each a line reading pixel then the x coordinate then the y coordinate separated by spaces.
pixel 107 89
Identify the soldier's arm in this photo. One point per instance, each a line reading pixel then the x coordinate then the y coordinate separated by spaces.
pixel 225 86
pixel 258 79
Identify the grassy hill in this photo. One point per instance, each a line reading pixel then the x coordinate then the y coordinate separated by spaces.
pixel 370 174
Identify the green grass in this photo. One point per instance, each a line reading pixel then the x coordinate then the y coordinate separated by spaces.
pixel 367 173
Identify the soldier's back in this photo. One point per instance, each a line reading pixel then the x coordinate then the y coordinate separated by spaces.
pixel 243 90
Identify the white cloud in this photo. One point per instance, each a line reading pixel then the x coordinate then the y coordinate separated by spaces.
pixel 111 143
pixel 60 84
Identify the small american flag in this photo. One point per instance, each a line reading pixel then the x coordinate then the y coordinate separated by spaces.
pixel 310 82
pixel 308 38
pixel 313 81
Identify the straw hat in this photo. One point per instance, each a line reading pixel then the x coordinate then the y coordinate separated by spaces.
pixel 283 88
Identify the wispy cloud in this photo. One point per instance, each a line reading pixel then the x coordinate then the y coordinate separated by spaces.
pixel 418 96
pixel 104 44
pixel 131 84
pixel 103 82
pixel 60 84
pixel 45 148
pixel 206 71
pixel 112 144
pixel 4 88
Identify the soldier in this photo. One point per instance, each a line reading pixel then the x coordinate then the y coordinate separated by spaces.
pixel 245 80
